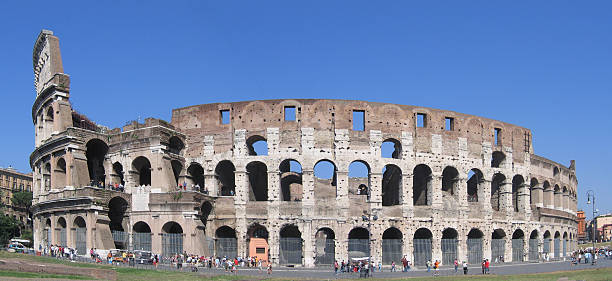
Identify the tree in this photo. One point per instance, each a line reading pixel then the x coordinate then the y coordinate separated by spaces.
pixel 9 228
pixel 22 199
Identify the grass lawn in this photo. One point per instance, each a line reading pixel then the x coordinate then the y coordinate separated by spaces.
pixel 18 274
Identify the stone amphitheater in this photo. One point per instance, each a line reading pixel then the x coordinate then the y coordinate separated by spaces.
pixel 298 182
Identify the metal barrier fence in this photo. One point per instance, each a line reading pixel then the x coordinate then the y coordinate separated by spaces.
pixel 474 250
pixel 358 248
pixel 142 241
pixel 533 250
pixel 121 239
pixel 49 233
pixel 172 243
pixel 422 251
pixel 226 247
pixel 564 248
pixel 290 250
pixel 391 250
pixel 81 240
pixel 62 237
pixel 498 248
pixel 546 246
pixel 557 248
pixel 449 251
pixel 328 255
pixel 518 247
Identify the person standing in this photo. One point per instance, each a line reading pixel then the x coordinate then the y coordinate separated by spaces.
pixel 269 268
pixel 456 265
pixel 404 264
pixel 437 268
pixel 487 263
pixel 392 266
pixel 465 268
pixel 336 267
pixel 483 266
pixel 428 265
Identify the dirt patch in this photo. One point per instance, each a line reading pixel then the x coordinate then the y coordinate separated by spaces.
pixel 38 267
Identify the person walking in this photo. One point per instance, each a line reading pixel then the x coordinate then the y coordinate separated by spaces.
pixel 336 267
pixel 393 266
pixel 487 263
pixel 437 268
pixel 404 264
pixel 483 266
pixel 465 268
pixel 428 265
pixel 456 265
pixel 269 268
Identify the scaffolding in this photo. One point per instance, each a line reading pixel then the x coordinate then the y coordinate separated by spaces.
pixel 328 255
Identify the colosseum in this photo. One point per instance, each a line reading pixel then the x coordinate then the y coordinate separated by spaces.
pixel 297 182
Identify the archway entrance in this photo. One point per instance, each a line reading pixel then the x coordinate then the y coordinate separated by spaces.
pixel 226 244
pixel 257 241
pixel 325 246
pixel 533 246
pixel 80 235
pixel 498 245
pixel 422 246
pixel 290 245
pixel 172 239
pixel 116 212
pixel 518 245
pixel 474 245
pixel 391 246
pixel 141 237
pixel 449 246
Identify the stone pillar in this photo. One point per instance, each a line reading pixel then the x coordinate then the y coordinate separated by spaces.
pixel 241 237
pixel 342 192
pixel 505 194
pixel 549 198
pixel 461 192
pixel 210 182
pixel 557 200
pixel 407 244
pixel 508 247
pixel 565 202
pixel 307 193
pixel 486 243
pixel 524 204
pixel 484 194
pixel 407 200
pixel 308 238
pixel 436 246
pixel 537 196
pixel 242 187
pixel 376 244
pixel 462 244
pixel 273 242
pixel 434 192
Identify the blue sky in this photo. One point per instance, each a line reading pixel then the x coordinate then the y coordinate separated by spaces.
pixel 544 65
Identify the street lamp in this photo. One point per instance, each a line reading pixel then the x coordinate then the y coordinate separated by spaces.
pixel 591 199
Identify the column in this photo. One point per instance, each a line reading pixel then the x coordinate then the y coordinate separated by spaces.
pixel 506 198
pixel 407 200
pixel 524 198
pixel 307 193
pixel 308 238
pixel 434 192
pixel 342 192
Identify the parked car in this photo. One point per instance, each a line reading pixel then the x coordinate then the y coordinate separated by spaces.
pixel 16 248
pixel 143 257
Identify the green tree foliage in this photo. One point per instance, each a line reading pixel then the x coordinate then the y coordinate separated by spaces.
pixel 22 199
pixel 9 228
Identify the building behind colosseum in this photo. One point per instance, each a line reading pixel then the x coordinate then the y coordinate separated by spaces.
pixel 277 179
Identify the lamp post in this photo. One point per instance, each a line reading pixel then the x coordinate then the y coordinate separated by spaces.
pixel 591 200
pixel 367 216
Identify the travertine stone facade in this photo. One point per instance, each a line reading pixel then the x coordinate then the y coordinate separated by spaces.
pixel 257 170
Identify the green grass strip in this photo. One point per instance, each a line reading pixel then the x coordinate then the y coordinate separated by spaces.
pixel 18 274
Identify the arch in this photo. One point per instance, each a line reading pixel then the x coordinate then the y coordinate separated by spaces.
pixel 290 245
pixel 498 245
pixel 359 176
pixel 60 171
pixel 474 246
pixel 117 176
pixel 141 227
pixel 325 173
pixel 325 246
pixel 565 242
pixel 117 208
pixel 391 185
pixel 450 177
pixel 449 245
pixel 141 236
pixel 391 245
pixel 497 159
pixel 496 191
pixel 518 245
pixel 546 242
pixel 291 180
pixel 557 245
pixel 358 243
pixel 95 153
pixel 517 185
pixel 80 235
pixel 142 168
pixel 257 242
pixel 195 173
pixel 177 167
pixel 257 145
pixel 226 242
pixel 258 181
pixel 548 194
pixel 49 114
pixel 205 211
pixel 534 196
pixel 61 232
pixel 172 238
pixel 474 185
pixel 422 246
pixel 391 148
pixel 175 145
pixel 224 174
pixel 555 171
pixel 534 253
pixel 557 198
pixel 421 185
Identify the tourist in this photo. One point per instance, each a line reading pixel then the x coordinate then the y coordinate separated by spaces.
pixel 392 266
pixel 404 264
pixel 483 266
pixel 487 266
pixel 465 268
pixel 269 268
pixel 436 268
pixel 428 265
pixel 456 265
pixel 335 267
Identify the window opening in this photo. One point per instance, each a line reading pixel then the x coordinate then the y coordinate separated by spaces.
pixel 290 113
pixel 449 124
pixel 225 116
pixel 421 120
pixel 358 120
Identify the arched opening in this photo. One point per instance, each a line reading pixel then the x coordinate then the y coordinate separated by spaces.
pixel 517 184
pixel 450 180
pixel 497 159
pixel 257 242
pixel 496 191
pixel 47 175
pixel 177 167
pixel 205 211
pixel 557 194
pixel 49 114
pixel 61 231
pixel 80 235
pixel 534 197
pixel 95 153
pixel 474 246
pixel 141 236
pixel 474 185
pixel 60 172
pixel 257 145
pixel 557 242
pixel 555 171
pixel 48 233
pixel 226 243
pixel 290 245
pixel 498 245
pixel 548 195
pixel 258 181
pixel 325 173
pixel 392 246
pixel 195 174
pixel 422 246
pixel 421 185
pixel 117 176
pixel 564 252
pixel 325 246
pixel 546 243
pixel 141 167
pixel 175 145
pixel 391 185
pixel 533 246
pixel 291 180
pixel 172 239
pixel 358 243
pixel 518 245
pixel 449 246
pixel 359 177
pixel 224 173
pixel 117 208
pixel 391 148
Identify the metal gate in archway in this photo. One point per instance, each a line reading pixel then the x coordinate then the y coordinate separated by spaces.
pixel 564 248
pixel 533 249
pixel 391 250
pixel 498 248
pixel 546 246
pixel 63 237
pixel 358 248
pixel 474 246
pixel 172 243
pixel 518 247
pixel 141 241
pixel 557 247
pixel 328 255
pixel 121 239
pixel 81 240
pixel 449 251
pixel 422 251
pixel 226 247
pixel 290 250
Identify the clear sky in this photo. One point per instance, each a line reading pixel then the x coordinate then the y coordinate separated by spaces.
pixel 544 65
